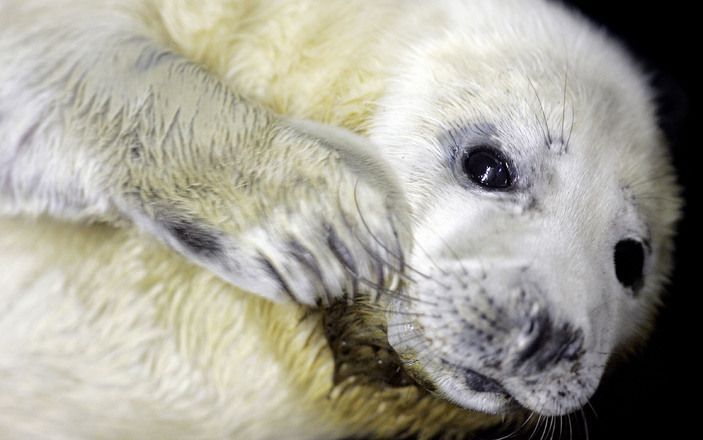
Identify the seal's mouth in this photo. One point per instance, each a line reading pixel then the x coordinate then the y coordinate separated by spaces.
pixel 357 336
pixel 483 384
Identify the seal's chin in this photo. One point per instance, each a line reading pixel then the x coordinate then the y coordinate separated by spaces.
pixel 459 385
pixel 472 390
pixel 492 403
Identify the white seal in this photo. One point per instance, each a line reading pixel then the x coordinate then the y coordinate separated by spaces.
pixel 510 212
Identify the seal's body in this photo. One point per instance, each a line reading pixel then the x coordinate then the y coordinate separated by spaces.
pixel 509 226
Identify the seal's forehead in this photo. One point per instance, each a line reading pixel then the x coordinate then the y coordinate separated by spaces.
pixel 541 88
pixel 560 111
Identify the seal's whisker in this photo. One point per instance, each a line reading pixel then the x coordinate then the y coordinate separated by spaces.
pixel 380 279
pixel 369 251
pixel 585 423
pixel 398 256
pixel 658 198
pixel 396 312
pixel 536 427
pixel 508 435
pixel 563 102
pixel 571 127
pixel 548 134
pixel 402 263
pixel 350 267
pixel 649 179
pixel 593 409
pixel 547 425
pixel 527 421
pixel 394 293
pixel 517 429
pixel 422 350
pixel 457 259
pixel 434 263
pixel 398 324
pixel 561 426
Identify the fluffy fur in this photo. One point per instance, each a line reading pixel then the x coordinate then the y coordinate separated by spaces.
pixel 107 333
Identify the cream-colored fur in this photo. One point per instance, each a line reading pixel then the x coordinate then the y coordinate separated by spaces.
pixel 107 333
pixel 153 139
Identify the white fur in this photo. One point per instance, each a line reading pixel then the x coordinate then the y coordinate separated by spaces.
pixel 106 334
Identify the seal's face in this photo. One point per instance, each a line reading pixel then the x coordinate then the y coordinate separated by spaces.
pixel 543 204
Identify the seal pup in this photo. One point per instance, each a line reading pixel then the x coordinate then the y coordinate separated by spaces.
pixel 541 199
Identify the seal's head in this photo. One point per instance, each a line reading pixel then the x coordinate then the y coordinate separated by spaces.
pixel 543 206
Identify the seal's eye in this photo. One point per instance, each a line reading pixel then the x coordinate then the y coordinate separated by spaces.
pixel 629 263
pixel 487 167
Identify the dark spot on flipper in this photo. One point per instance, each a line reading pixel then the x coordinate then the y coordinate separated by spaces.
pixel 307 259
pixel 340 251
pixel 276 275
pixel 344 256
pixel 194 237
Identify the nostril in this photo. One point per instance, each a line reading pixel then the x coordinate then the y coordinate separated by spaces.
pixel 629 263
pixel 542 343
pixel 533 335
pixel 573 346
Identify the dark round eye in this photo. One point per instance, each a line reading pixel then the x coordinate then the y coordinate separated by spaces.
pixel 629 263
pixel 488 168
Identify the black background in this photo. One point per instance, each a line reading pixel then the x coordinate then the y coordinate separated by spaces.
pixel 656 394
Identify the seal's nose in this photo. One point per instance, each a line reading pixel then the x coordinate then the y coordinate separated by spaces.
pixel 541 343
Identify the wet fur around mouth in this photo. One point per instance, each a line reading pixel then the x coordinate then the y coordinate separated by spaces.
pixel 361 351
